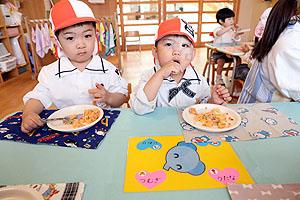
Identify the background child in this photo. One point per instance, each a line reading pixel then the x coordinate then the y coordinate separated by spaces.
pixel 79 76
pixel 173 81
pixel 274 75
pixel 225 34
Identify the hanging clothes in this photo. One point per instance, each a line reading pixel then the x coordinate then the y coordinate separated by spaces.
pixel 112 39
pixel 102 34
pixel 33 36
pixel 38 42
pixel 98 36
pixel 46 38
pixel 107 35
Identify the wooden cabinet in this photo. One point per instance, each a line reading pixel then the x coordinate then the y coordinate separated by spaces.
pixel 7 32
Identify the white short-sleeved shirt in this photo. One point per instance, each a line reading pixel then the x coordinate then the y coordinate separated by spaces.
pixel 64 85
pixel 227 37
pixel 192 89
pixel 276 78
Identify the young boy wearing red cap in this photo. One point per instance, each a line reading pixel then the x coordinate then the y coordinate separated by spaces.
pixel 79 76
pixel 173 81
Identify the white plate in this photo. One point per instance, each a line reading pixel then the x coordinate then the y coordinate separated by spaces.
pixel 19 193
pixel 189 118
pixel 77 109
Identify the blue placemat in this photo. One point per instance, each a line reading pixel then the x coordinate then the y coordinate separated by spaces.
pixel 10 129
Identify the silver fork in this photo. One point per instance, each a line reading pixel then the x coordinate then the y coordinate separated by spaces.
pixel 64 119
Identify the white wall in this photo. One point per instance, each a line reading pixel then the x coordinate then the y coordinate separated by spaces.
pixel 249 14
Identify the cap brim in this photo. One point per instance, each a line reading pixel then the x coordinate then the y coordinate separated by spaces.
pixel 75 21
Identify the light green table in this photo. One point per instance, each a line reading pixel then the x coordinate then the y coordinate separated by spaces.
pixel 268 161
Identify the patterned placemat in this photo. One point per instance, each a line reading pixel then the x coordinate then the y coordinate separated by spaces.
pixel 264 191
pixel 57 191
pixel 258 121
pixel 10 129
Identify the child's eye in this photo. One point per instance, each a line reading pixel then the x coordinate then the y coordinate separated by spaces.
pixel 88 36
pixel 168 44
pixel 185 45
pixel 70 38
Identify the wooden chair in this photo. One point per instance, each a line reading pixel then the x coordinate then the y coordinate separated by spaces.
pixel 134 37
pixel 128 97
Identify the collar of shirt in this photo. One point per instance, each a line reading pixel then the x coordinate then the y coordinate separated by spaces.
pixel 66 68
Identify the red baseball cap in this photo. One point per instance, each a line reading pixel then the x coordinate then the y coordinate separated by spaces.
pixel 175 26
pixel 69 12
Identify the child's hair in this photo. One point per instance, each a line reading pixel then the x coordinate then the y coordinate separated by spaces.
pixel 224 13
pixel 279 18
pixel 75 25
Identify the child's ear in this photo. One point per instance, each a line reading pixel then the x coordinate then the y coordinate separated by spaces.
pixel 221 21
pixel 194 53
pixel 154 52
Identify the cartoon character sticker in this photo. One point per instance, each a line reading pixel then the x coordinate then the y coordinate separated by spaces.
pixel 291 132
pixel 203 138
pixel 184 158
pixel 269 121
pixel 229 138
pixel 242 110
pixel 244 122
pixel 185 126
pixel 292 121
pixel 261 135
pixel 271 110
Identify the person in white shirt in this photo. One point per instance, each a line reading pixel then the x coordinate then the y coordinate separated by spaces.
pixel 79 76
pixel 173 81
pixel 275 70
pixel 226 33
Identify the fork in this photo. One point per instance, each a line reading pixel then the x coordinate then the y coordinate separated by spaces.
pixel 64 119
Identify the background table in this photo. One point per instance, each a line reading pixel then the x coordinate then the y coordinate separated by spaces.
pixel 267 161
pixel 220 47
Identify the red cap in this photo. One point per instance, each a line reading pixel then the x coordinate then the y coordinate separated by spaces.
pixel 175 26
pixel 69 12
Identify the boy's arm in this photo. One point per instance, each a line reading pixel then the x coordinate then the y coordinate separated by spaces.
pixel 223 30
pixel 115 100
pixel 152 86
pixel 30 117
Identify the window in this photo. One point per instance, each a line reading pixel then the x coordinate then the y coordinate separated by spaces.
pixel 146 15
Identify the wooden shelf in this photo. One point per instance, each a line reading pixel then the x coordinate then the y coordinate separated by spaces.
pixel 5 39
pixel 15 35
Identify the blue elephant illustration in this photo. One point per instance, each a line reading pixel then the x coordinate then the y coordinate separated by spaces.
pixel 185 159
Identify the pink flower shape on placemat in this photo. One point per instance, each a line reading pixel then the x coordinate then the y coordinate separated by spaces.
pixel 150 180
pixel 229 175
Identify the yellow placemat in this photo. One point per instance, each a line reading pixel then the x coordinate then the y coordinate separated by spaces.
pixel 168 163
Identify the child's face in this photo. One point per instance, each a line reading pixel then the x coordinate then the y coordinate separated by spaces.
pixel 174 48
pixel 228 22
pixel 78 43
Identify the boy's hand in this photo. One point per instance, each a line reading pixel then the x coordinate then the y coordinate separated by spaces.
pixel 30 121
pixel 220 94
pixel 100 93
pixel 170 69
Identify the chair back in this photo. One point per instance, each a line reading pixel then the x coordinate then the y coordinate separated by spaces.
pixel 132 34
